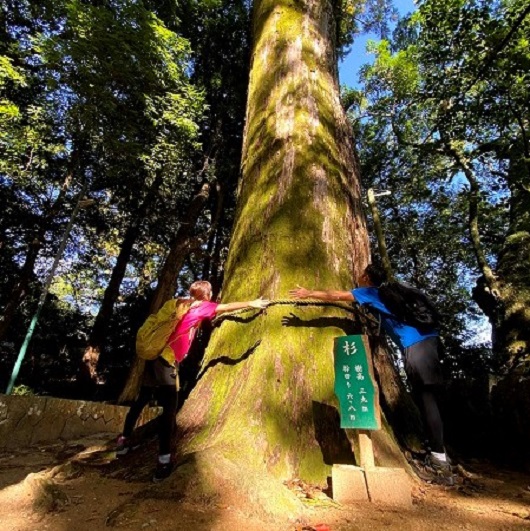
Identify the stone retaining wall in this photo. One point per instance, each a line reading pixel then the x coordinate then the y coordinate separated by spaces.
pixel 29 420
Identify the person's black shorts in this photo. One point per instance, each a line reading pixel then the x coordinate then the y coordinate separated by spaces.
pixel 159 372
pixel 422 364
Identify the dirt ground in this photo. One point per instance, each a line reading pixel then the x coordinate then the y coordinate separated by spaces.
pixel 80 486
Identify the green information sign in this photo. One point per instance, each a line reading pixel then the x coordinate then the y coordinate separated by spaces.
pixel 354 385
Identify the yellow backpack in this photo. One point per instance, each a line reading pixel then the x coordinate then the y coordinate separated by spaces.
pixel 153 335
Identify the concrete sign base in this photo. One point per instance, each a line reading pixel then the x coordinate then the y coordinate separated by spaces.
pixel 389 486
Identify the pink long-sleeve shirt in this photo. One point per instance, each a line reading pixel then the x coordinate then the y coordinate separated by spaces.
pixel 181 338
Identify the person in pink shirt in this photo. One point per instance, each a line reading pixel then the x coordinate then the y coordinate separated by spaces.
pixel 202 309
pixel 160 377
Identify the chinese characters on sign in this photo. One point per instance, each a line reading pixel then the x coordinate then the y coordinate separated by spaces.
pixel 354 385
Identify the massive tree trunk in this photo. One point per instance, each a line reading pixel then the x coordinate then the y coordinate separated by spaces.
pixel 260 413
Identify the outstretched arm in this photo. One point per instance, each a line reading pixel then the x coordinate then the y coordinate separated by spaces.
pixel 233 306
pixel 325 295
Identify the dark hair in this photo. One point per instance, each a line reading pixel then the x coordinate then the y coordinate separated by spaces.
pixel 376 274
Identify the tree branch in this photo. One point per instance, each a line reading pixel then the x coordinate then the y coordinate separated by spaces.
pixel 474 200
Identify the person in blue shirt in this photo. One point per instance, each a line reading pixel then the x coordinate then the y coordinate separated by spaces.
pixel 419 349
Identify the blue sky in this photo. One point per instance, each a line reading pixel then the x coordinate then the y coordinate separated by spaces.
pixel 349 68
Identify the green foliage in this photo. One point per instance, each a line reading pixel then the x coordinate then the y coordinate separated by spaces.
pixel 9 74
pixel 145 101
pixel 22 390
pixel 441 111
pixel 362 16
pixel 100 92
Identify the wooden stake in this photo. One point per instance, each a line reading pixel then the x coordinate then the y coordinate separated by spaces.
pixel 366 449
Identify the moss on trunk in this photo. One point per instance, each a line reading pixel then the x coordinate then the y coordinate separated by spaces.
pixel 512 330
pixel 266 386
pixel 509 310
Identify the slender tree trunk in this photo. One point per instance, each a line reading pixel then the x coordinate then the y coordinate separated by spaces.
pixel 265 389
pixel 167 279
pixel 88 375
pixel 179 250
pixel 378 227
pixel 20 289
pixel 473 219
pixel 97 335
pixel 218 210
pixel 216 271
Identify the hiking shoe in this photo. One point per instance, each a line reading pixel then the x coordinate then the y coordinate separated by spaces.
pixel 162 472
pixel 123 446
pixel 442 469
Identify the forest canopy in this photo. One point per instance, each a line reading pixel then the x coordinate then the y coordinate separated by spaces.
pixel 141 106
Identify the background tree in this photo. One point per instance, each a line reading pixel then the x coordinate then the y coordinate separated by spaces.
pixel 146 113
pixel 440 122
pixel 123 114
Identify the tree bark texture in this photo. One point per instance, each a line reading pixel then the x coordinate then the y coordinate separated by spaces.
pixel 509 315
pixel 508 309
pixel 513 270
pixel 266 386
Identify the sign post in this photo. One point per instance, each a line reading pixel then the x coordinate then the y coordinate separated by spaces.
pixel 358 397
pixel 355 386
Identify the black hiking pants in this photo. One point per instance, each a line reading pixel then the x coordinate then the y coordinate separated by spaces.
pixel 160 384
pixel 424 373
pixel 166 396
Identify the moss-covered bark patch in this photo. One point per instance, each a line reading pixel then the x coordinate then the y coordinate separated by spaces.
pixel 298 221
